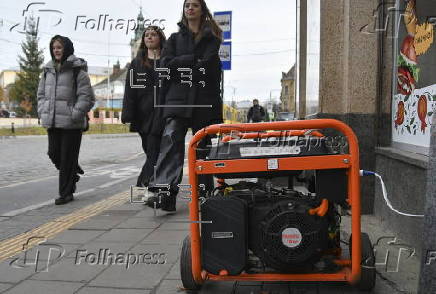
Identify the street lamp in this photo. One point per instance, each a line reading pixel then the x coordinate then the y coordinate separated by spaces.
pixel 112 102
pixel 234 90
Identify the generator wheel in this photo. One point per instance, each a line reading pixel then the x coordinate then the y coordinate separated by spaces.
pixel 186 266
pixel 368 271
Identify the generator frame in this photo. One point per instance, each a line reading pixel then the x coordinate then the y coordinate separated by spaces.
pixel 351 268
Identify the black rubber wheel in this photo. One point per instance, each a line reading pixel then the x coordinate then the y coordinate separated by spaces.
pixel 186 267
pixel 368 271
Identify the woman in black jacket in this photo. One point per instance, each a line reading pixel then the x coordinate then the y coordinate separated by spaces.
pixel 140 93
pixel 191 96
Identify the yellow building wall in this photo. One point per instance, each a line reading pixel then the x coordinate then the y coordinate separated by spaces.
pixel 95 79
pixel 7 77
pixel 288 99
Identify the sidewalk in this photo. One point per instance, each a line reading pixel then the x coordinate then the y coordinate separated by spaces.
pixel 133 232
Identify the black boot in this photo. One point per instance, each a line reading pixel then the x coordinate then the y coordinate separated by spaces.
pixel 76 179
pixel 155 201
pixel 80 170
pixel 169 203
pixel 64 200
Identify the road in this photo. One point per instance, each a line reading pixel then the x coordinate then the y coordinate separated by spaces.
pixel 29 180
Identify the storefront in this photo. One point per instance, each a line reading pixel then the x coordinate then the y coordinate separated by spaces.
pixel 414 78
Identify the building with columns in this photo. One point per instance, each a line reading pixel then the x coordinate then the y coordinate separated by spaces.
pixel 369 54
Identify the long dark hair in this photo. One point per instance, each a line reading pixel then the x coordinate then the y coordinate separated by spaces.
pixel 143 50
pixel 206 18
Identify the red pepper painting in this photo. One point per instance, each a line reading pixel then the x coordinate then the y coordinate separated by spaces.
pixel 400 114
pixel 406 82
pixel 422 111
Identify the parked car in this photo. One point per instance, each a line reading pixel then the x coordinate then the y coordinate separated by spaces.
pixel 285 116
pixel 4 113
pixel 12 114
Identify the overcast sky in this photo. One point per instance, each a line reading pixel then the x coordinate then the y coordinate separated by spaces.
pixel 263 35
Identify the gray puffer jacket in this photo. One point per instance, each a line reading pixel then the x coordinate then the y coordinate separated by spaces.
pixel 60 105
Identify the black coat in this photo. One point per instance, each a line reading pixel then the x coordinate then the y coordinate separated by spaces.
pixel 138 103
pixel 182 51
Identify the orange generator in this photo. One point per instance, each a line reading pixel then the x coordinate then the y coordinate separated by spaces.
pixel 283 223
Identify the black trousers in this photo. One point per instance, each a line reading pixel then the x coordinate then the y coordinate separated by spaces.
pixel 169 165
pixel 63 150
pixel 150 145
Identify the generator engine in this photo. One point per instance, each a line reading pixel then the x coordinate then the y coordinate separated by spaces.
pixel 275 226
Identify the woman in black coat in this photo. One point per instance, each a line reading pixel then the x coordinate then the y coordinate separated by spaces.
pixel 191 96
pixel 139 98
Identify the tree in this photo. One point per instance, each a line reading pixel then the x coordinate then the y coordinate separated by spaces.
pixel 26 85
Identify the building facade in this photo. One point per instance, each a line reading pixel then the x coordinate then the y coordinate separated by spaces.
pixel 287 95
pixel 376 64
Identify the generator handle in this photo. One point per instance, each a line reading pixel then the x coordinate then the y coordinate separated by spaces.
pixel 353 180
pixel 273 134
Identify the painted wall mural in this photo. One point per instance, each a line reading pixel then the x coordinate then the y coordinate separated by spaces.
pixel 414 103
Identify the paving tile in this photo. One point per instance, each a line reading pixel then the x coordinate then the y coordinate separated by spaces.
pixel 97 247
pixel 139 223
pixel 119 212
pixel 139 276
pixel 96 224
pixel 170 253
pixel 47 252
pixel 168 237
pixel 130 206
pixel 69 270
pixel 4 286
pixel 174 273
pixel 104 290
pixel 76 236
pixel 381 287
pixel 147 212
pixel 10 274
pixel 44 287
pixel 124 235
pixel 175 226
pixel 170 287
pixel 111 217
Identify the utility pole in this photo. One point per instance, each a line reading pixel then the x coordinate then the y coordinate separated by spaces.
pixel 108 71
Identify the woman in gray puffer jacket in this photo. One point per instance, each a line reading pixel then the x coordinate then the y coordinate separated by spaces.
pixel 65 96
